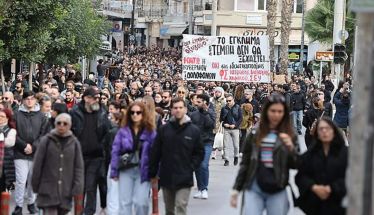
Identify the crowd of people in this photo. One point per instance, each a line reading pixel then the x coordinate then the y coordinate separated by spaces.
pixel 136 122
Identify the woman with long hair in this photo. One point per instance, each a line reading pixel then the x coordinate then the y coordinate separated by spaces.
pixel 321 175
pixel 310 118
pixel 149 104
pixel 7 141
pixel 239 94
pixel 269 153
pixel 130 159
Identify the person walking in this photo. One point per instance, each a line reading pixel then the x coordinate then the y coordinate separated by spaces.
pixel 204 118
pixel 130 159
pixel 268 154
pixel 298 105
pixel 231 118
pixel 90 123
pixel 177 152
pixel 31 125
pixel 219 101
pixel 7 140
pixel 321 175
pixel 58 172
pixel 310 118
pixel 246 125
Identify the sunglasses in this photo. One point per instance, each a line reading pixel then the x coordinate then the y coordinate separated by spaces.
pixel 229 100
pixel 5 98
pixel 181 92
pixel 62 123
pixel 136 112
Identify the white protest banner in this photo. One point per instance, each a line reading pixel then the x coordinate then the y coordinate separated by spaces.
pixel 226 58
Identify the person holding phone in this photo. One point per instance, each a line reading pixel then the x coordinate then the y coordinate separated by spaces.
pixel 269 153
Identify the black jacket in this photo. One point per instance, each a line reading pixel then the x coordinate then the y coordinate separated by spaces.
pixel 176 153
pixel 316 168
pixel 298 101
pixel 229 115
pixel 205 120
pixel 30 126
pixel 102 126
pixel 283 160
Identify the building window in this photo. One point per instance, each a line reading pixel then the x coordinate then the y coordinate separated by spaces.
pixel 245 5
pixel 261 4
pixel 298 6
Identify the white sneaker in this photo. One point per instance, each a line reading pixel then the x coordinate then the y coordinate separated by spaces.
pixel 197 195
pixel 204 194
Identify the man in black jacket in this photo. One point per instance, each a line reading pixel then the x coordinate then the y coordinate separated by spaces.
pixel 231 118
pixel 177 152
pixel 90 124
pixel 298 106
pixel 204 118
pixel 248 98
pixel 31 125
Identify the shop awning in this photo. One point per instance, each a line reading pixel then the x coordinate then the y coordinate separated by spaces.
pixel 176 30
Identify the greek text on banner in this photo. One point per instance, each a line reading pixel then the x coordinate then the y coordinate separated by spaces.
pixel 226 58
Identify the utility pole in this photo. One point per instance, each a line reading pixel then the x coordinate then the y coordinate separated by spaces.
pixel 360 180
pixel 132 30
pixel 213 30
pixel 301 67
pixel 190 16
pixel 339 11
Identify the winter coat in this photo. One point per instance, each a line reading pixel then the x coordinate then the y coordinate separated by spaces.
pixel 123 142
pixel 7 169
pixel 317 168
pixel 254 103
pixel 177 152
pixel 342 105
pixel 108 143
pixel 58 172
pixel 283 160
pixel 298 101
pixel 205 120
pixel 30 126
pixel 236 114
pixel 218 105
pixel 247 111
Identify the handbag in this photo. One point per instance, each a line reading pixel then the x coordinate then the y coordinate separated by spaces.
pixel 130 159
pixel 218 139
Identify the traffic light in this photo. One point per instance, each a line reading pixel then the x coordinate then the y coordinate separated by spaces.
pixel 340 54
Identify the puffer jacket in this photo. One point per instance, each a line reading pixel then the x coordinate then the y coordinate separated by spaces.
pixel 205 120
pixel 30 126
pixel 283 160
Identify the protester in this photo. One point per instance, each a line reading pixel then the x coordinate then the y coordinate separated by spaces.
pixel 204 117
pixel 231 117
pixel 176 164
pixel 342 101
pixel 7 141
pixel 219 101
pixel 58 171
pixel 268 154
pixel 321 176
pixel 310 118
pixel 130 159
pixel 298 105
pixel 31 125
pixel 90 123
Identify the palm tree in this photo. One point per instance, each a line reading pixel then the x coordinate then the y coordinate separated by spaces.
pixel 319 22
pixel 287 7
pixel 271 16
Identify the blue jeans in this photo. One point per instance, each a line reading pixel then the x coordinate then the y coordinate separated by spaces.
pixel 100 82
pixel 256 201
pixel 112 195
pixel 202 173
pixel 297 119
pixel 133 192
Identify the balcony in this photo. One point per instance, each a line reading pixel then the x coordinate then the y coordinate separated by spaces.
pixel 119 8
pixel 152 11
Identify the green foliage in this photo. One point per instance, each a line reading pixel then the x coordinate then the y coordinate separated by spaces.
pixel 76 33
pixel 49 30
pixel 319 22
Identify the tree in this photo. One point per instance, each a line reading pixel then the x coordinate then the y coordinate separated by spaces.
pixel 271 16
pixel 76 33
pixel 287 7
pixel 319 23
pixel 25 28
